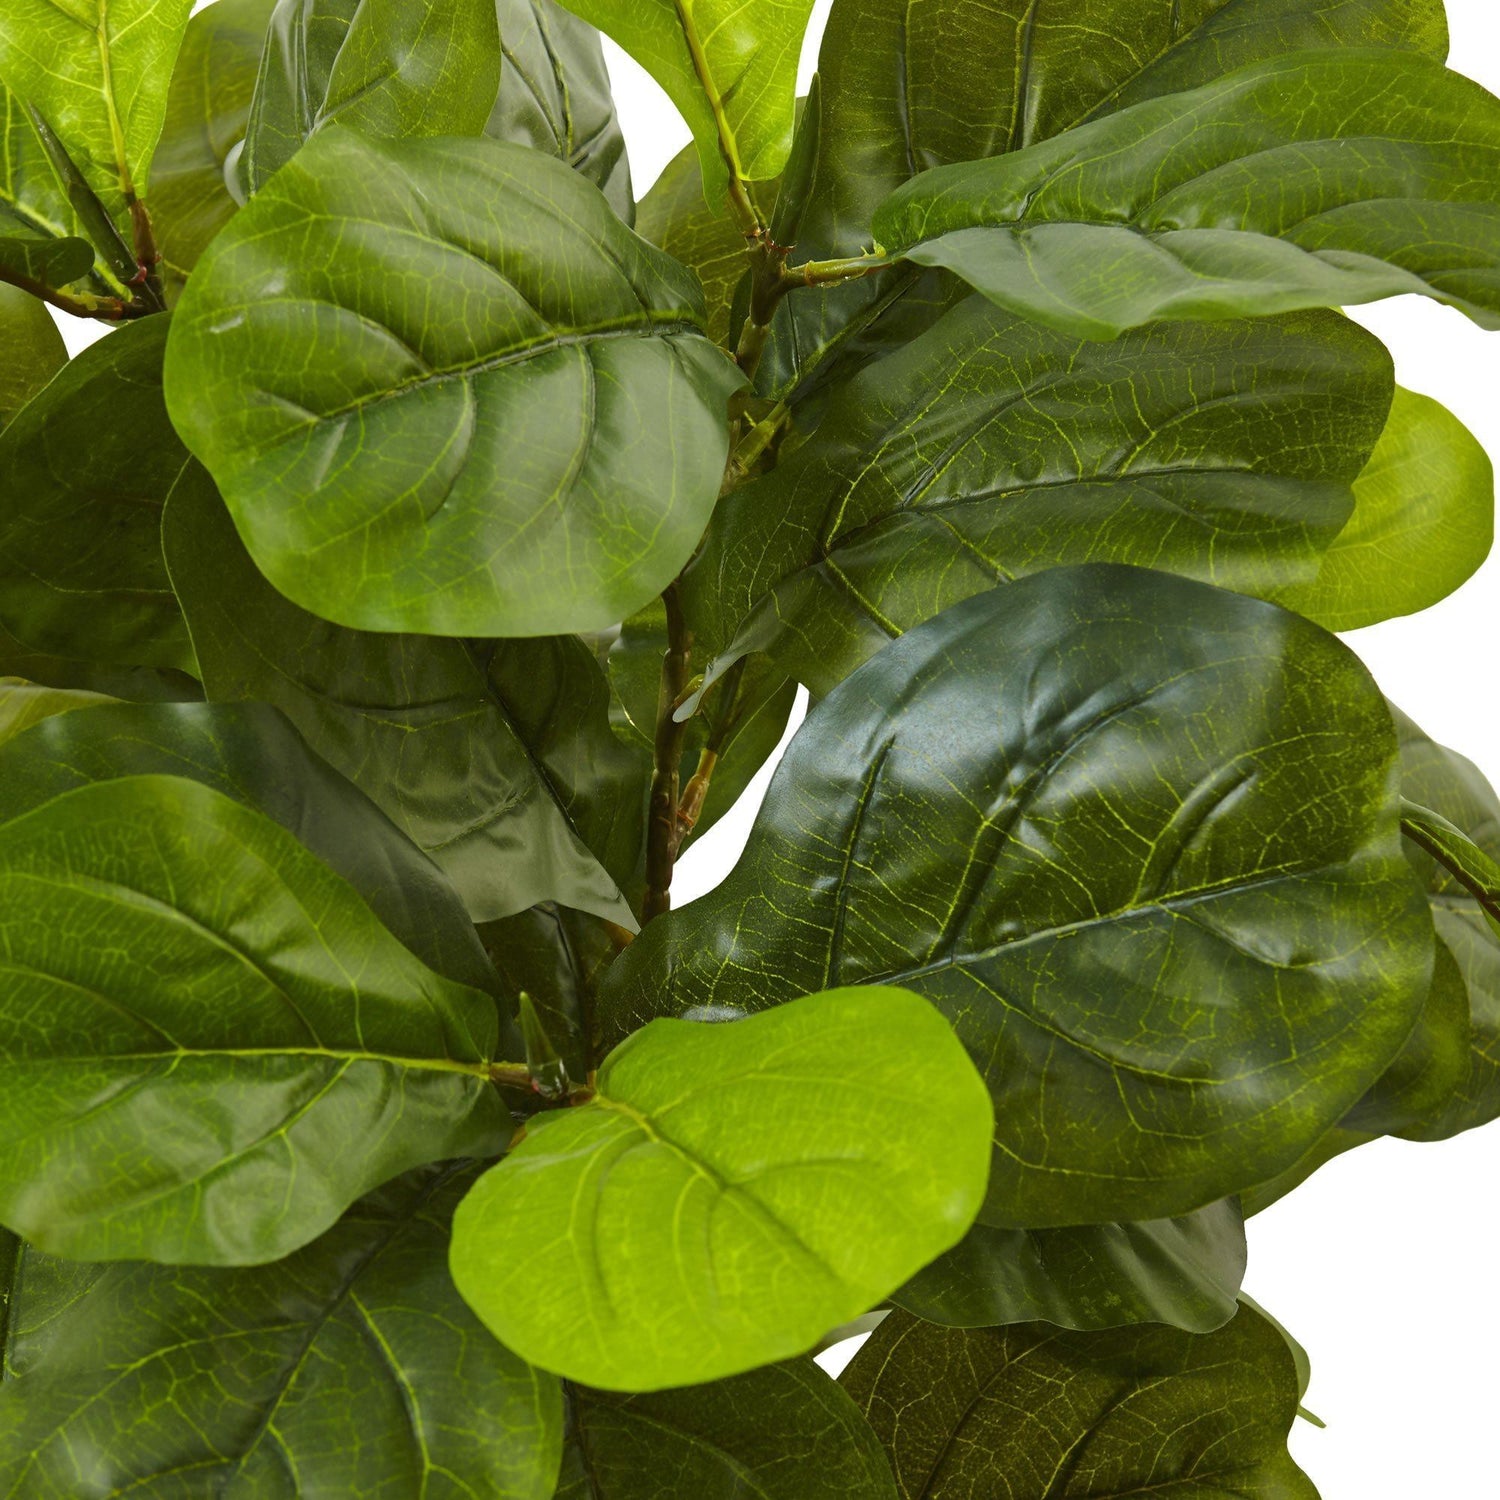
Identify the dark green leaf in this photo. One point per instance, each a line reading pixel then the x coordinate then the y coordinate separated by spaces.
pixel 208 110
pixel 49 264
pixel 731 1193
pixel 444 389
pixel 730 67
pixel 248 752
pixel 1137 837
pixel 555 96
pixel 785 1432
pixel 1185 1272
pixel 1423 522
pixel 84 473
pixel 134 684
pixel 23 704
pixel 235 1049
pixel 1315 179
pixel 351 1369
pixel 991 448
pixel 509 777
pixel 904 88
pixel 1026 1412
pixel 383 67
pixel 31 350
pixel 98 73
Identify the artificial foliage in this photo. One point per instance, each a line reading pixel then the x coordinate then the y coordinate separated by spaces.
pixel 435 547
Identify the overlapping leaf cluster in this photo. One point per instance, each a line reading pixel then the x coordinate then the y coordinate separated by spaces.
pixel 437 547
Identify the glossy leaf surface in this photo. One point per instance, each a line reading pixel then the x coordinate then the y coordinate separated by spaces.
pixel 444 389
pixel 84 473
pixel 1019 1413
pixel 1315 179
pixel 98 72
pixel 784 1432
pixel 235 1048
pixel 208 111
pixel 1136 837
pixel 352 1368
pixel 555 96
pixel 382 67
pixel 520 798
pixel 1423 522
pixel 23 704
pixel 732 1192
pixel 991 448
pixel 1184 1271
pixel 729 66
pixel 33 350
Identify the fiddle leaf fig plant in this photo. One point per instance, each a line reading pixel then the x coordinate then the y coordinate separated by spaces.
pixel 433 549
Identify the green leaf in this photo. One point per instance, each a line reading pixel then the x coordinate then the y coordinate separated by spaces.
pixel 1184 1271
pixel 208 111
pixel 33 350
pixel 498 760
pixel 991 448
pixel 98 71
pixel 351 1369
pixel 731 1193
pixel 676 217
pixel 1316 179
pixel 45 264
pixel 23 704
pixel 235 1049
pixel 1094 1416
pixel 84 471
pixel 530 443
pixel 251 754
pixel 134 684
pixel 785 1432
pixel 1136 837
pixel 383 67
pixel 555 96
pixel 1423 522
pixel 729 66
pixel 904 88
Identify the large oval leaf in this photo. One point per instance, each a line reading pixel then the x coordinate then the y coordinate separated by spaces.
pixel 1137 837
pixel 555 96
pixel 785 1432
pixel 1315 179
pixel 1423 523
pixel 33 350
pixel 732 1192
pixel 529 445
pixel 383 67
pixel 990 448
pixel 351 1369
pixel 497 760
pixel 1184 1271
pixel 1082 1416
pixel 84 473
pixel 235 1049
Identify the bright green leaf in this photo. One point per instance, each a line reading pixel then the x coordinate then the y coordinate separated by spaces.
pixel 731 1193
pixel 785 1432
pixel 351 1369
pixel 991 448
pixel 1184 1271
pixel 383 67
pixel 444 389
pixel 1136 837
pixel 1423 522
pixel 235 1049
pixel 31 350
pixel 208 110
pixel 555 96
pixel 1315 179
pixel 522 796
pixel 84 472
pixel 1025 1412
pixel 98 72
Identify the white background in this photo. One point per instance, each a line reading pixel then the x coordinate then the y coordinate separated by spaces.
pixel 1384 1265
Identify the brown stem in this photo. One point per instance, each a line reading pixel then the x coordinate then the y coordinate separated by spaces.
pixel 662 837
pixel 695 793
pixel 106 309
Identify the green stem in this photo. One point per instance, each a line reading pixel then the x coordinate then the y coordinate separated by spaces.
pixel 662 835
pixel 105 309
pixel 836 272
